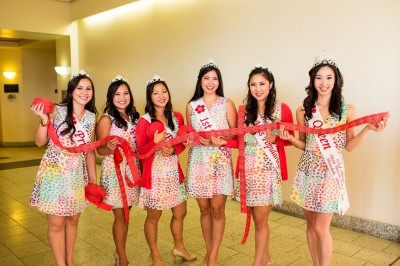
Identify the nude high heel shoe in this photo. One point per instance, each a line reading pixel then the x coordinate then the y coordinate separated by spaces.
pixel 116 257
pixel 177 253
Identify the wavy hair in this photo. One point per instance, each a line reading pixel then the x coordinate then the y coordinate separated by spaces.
pixel 150 105
pixel 68 102
pixel 251 102
pixel 199 92
pixel 336 101
pixel 111 109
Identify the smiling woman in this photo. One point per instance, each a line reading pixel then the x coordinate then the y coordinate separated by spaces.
pixel 62 177
pixel 162 185
pixel 119 119
pixel 319 185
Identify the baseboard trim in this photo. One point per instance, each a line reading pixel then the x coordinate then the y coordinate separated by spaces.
pixel 362 225
pixel 17 144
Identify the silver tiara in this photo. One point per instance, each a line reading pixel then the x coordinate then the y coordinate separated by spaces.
pixel 118 78
pixel 80 73
pixel 262 67
pixel 155 79
pixel 210 63
pixel 325 58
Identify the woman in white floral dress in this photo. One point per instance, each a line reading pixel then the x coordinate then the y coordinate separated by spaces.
pixel 59 190
pixel 162 179
pixel 316 188
pixel 209 168
pixel 119 119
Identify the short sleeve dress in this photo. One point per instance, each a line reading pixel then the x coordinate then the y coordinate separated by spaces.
pixel 108 177
pixel 314 187
pixel 167 189
pixel 263 178
pixel 209 171
pixel 60 183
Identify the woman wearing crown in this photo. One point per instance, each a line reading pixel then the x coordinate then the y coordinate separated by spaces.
pixel 59 189
pixel 119 119
pixel 209 169
pixel 264 156
pixel 162 184
pixel 319 184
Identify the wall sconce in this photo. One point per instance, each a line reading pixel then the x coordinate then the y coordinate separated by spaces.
pixel 62 70
pixel 9 74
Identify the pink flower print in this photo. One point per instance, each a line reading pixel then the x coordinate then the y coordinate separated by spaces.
pixel 74 120
pixel 200 108
pixel 314 109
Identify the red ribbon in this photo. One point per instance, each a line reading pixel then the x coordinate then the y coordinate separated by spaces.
pixel 48 104
pixel 95 194
pixel 126 148
pixel 189 133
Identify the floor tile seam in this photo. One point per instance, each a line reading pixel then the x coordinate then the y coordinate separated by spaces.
pixel 372 248
pixel 26 243
pixel 396 260
pixel 347 255
pixel 108 255
pixel 15 255
pixel 375 252
pixel 17 185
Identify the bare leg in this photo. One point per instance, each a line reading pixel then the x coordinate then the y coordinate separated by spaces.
pixel 311 236
pixel 151 232
pixel 56 235
pixel 260 216
pixel 324 238
pixel 120 232
pixel 218 226
pixel 206 224
pixel 71 231
pixel 178 214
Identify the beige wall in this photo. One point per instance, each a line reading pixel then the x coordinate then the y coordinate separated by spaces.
pixel 36 78
pixel 34 16
pixel 173 38
pixel 84 8
pixel 42 20
pixel 63 58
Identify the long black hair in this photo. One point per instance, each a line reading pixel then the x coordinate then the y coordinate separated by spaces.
pixel 150 105
pixel 251 102
pixel 199 92
pixel 336 101
pixel 68 100
pixel 112 110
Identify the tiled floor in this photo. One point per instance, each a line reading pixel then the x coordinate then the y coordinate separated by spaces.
pixel 23 239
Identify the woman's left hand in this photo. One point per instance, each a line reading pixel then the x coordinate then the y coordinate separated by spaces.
pixel 270 136
pixel 167 151
pixel 378 126
pixel 204 141
pixel 217 142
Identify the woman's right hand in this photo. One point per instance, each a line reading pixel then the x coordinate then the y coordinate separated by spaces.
pixel 112 144
pixel 217 142
pixel 188 143
pixel 284 134
pixel 205 141
pixel 159 137
pixel 38 110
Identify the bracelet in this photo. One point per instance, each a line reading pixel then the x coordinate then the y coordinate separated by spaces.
pixel 44 124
